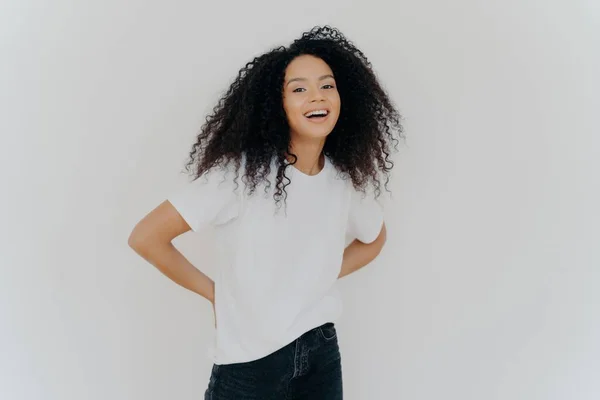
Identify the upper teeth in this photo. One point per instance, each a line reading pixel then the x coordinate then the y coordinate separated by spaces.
pixel 317 112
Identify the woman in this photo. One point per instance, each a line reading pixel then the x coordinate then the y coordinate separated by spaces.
pixel 288 164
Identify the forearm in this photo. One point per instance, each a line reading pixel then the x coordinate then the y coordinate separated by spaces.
pixel 359 254
pixel 168 260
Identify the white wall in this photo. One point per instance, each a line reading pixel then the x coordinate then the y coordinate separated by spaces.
pixel 488 286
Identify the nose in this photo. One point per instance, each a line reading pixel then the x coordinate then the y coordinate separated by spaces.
pixel 317 96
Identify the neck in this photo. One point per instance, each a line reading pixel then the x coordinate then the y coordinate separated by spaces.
pixel 309 153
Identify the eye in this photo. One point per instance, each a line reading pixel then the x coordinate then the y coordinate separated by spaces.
pixel 328 86
pixel 297 90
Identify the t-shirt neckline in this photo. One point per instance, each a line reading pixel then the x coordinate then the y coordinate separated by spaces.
pixel 315 176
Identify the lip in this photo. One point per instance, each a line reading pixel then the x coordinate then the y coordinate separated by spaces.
pixel 317 109
pixel 320 120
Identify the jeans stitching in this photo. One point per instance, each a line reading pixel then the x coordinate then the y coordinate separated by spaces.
pixel 296 371
pixel 325 337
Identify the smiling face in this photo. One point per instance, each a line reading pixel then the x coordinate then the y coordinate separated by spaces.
pixel 310 98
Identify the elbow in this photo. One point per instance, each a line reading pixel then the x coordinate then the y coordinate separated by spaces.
pixel 146 242
pixel 134 241
pixel 138 241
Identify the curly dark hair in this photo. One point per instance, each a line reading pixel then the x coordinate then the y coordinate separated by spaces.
pixel 249 119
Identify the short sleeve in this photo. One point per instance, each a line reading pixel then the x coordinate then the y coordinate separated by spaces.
pixel 365 217
pixel 210 200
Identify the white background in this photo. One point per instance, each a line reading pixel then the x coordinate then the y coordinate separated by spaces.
pixel 488 286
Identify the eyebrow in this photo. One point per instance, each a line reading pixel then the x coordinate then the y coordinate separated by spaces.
pixel 304 79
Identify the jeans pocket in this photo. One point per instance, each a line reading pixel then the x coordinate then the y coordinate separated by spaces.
pixel 328 331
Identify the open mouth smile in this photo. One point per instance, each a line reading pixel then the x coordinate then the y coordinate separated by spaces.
pixel 319 115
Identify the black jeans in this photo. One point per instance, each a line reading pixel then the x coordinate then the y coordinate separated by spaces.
pixel 309 368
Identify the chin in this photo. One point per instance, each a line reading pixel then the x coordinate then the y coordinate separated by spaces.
pixel 313 135
pixel 315 132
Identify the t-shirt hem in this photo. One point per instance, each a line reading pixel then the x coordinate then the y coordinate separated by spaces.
pixel 258 356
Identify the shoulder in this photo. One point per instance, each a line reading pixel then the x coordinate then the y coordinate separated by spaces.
pixel 366 215
pixel 211 198
pixel 224 176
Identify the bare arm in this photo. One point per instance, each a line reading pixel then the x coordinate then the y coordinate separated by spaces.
pixel 359 254
pixel 151 239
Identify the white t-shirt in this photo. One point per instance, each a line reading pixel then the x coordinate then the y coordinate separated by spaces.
pixel 278 267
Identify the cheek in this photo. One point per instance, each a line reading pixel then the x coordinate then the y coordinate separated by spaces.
pixel 336 105
pixel 293 110
pixel 335 101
